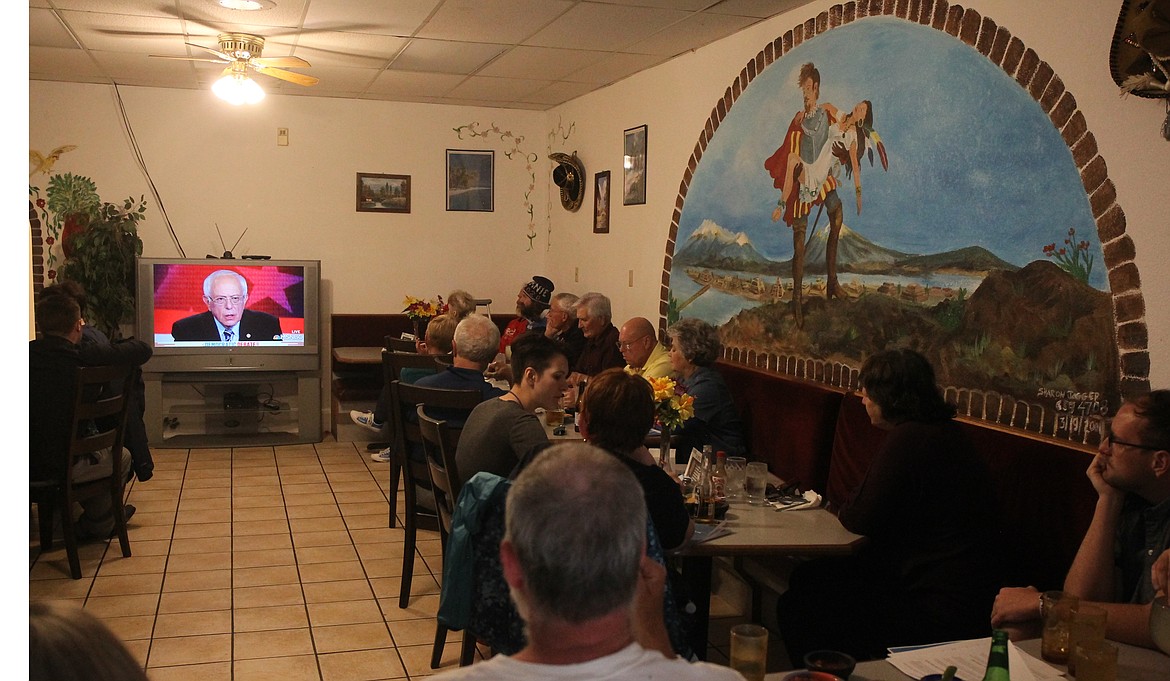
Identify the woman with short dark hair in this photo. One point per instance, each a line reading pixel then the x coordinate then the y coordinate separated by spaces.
pixel 927 508
pixel 694 348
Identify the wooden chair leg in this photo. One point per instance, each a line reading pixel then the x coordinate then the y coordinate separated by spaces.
pixel 395 475
pixel 437 648
pixel 120 523
pixel 45 520
pixel 410 530
pixel 467 650
pixel 70 534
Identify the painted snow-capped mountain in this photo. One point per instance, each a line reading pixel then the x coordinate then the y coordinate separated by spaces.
pixel 714 247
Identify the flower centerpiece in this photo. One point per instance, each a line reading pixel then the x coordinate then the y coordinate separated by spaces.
pixel 420 311
pixel 672 407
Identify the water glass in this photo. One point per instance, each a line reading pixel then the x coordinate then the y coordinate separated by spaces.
pixel 736 472
pixel 749 651
pixel 1095 661
pixel 1058 610
pixel 756 483
pixel 1088 626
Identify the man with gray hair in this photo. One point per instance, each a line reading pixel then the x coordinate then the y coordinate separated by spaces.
pixel 562 326
pixel 574 557
pixel 474 345
pixel 225 293
pixel 594 317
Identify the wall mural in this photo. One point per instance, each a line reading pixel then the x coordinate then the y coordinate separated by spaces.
pixel 886 185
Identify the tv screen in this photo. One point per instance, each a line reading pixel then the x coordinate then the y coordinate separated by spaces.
pixel 228 308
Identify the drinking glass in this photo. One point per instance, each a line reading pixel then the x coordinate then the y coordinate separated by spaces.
pixel 736 472
pixel 1058 613
pixel 749 651
pixel 1160 623
pixel 756 483
pixel 1095 661
pixel 1088 626
pixel 554 417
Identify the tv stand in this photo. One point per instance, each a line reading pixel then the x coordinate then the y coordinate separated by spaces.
pixel 241 408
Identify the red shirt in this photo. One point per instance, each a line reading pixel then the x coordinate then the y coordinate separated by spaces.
pixel 512 331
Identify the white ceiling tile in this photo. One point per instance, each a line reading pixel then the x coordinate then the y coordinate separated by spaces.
pixel 340 49
pixel 761 9
pixel 441 56
pixel 604 27
pixel 614 68
pixel 497 89
pixel 414 83
pixel 388 17
pixel 51 63
pixel 559 92
pixel 44 30
pixel 693 32
pixel 503 21
pixel 541 63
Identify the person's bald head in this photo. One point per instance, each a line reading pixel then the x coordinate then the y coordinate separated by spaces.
pixel 636 341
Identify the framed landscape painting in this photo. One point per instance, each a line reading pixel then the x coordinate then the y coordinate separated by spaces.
pixel 377 193
pixel 634 165
pixel 470 180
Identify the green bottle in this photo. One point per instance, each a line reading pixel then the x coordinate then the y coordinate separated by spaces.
pixel 997 659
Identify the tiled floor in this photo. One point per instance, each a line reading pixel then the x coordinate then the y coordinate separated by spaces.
pixel 265 563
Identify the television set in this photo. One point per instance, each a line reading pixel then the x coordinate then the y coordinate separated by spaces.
pixel 178 317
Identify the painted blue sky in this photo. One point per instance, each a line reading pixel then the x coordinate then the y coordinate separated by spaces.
pixel 973 159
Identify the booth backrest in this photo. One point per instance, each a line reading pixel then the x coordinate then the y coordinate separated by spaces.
pixel 1041 499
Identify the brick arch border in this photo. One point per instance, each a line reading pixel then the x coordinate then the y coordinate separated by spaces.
pixel 1034 75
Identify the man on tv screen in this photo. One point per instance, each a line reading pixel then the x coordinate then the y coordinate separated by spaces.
pixel 226 292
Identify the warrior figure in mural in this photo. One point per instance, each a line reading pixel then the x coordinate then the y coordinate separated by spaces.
pixel 818 144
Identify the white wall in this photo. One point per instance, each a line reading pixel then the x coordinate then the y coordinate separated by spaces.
pixel 675 100
pixel 213 163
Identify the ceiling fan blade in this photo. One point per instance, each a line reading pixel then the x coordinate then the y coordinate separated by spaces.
pixel 167 56
pixel 298 78
pixel 221 55
pixel 285 62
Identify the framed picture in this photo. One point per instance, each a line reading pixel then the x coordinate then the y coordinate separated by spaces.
pixel 471 180
pixel 634 166
pixel 601 203
pixel 377 193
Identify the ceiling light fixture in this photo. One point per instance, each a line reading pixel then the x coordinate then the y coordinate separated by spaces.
pixel 246 5
pixel 237 89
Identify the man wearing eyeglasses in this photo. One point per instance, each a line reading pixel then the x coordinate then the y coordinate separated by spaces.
pixel 226 293
pixel 644 355
pixel 1129 530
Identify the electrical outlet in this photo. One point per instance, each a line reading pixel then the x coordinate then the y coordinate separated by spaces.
pixel 282 137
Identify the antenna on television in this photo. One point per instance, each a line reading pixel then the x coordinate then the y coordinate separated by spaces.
pixel 227 254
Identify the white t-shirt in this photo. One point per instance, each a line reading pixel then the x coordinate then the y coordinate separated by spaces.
pixel 632 662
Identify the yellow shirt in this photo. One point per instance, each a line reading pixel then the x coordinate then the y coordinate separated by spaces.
pixel 657 364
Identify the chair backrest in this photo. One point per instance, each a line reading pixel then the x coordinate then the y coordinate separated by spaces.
pixel 405 399
pixel 394 362
pixel 396 344
pixel 99 417
pixel 439 443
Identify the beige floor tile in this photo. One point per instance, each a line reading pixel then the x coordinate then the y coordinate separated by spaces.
pixel 429 547
pixel 344 612
pixel 185 650
pixel 362 665
pixel 131 628
pixel 269 618
pixel 198 517
pixel 205 504
pixel 304 482
pixel 343 637
pixel 262 596
pixel 348 590
pixel 220 560
pixel 423 607
pixel 383 567
pixel 171 625
pixel 331 572
pixel 275 643
pixel 370 508
pixel 313 511
pixel 260 501
pixel 417 659
pixel 139 533
pixel 350 475
pixel 195 601
pixel 414 632
pixel 150 493
pixel 365 496
pixel 376 535
pixel 367 485
pixel 155 519
pixel 357 522
pixel 201 545
pixel 260 542
pixel 215 671
pixel 62 587
pixel 382 550
pixel 122 606
pixel 201 483
pixel 203 530
pixel 139 650
pixel 223 492
pixel 265 576
pixel 152 548
pixel 122 585
pixel 309 499
pixel 330 538
pixel 265 558
pixel 326 554
pixel 204 472
pixel 317 525
pixel 299 668
pixel 259 513
pixel 253 527
pixel 198 581
pixel 153 505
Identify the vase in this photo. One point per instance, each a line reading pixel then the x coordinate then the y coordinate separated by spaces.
pixel 664 460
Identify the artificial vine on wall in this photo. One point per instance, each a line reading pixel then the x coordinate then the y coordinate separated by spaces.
pixel 516 152
pixel 558 132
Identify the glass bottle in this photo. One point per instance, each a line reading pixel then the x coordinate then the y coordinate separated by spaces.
pixel 719 478
pixel 997 659
pixel 577 411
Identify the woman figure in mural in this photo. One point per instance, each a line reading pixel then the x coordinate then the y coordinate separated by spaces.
pixel 843 147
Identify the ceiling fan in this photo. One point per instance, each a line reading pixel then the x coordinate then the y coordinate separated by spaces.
pixel 241 52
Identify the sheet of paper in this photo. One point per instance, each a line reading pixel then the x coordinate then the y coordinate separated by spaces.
pixel 971 659
pixel 705 532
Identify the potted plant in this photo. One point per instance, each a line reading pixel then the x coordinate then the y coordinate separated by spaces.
pixel 99 243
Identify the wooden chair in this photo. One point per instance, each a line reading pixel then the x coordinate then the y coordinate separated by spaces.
pixel 392 365
pixel 439 443
pixel 90 408
pixel 408 437
pixel 396 344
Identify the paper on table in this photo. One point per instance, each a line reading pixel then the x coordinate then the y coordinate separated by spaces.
pixel 705 532
pixel 971 659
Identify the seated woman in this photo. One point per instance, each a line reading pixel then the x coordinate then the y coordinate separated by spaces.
pixel 694 348
pixel 617 411
pixel 501 431
pixel 926 575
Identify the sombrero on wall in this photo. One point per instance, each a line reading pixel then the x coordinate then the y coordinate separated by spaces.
pixel 569 175
pixel 1139 59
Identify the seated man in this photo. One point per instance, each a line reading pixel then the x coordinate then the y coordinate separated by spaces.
pixel 578 572
pixel 475 343
pixel 1130 528
pixel 594 315
pixel 644 355
pixel 225 293
pixel 438 341
pixel 53 362
pixel 531 304
pixel 562 326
